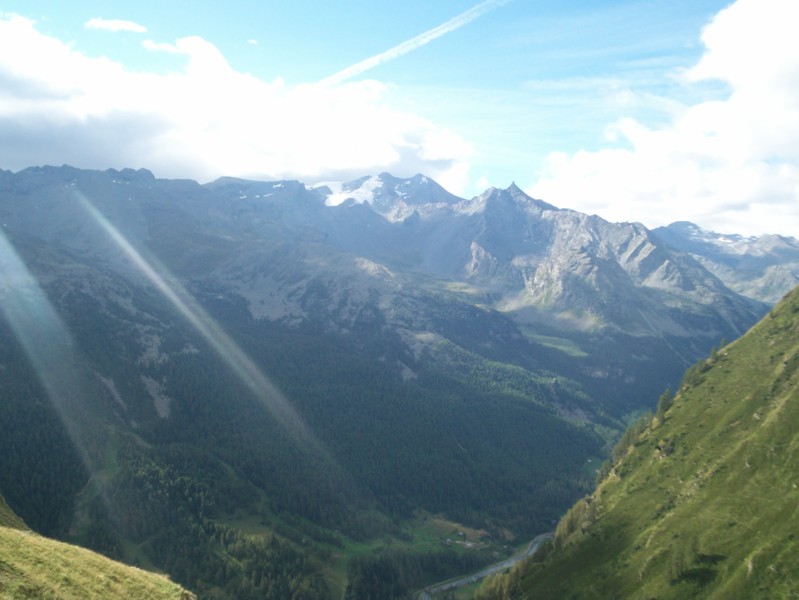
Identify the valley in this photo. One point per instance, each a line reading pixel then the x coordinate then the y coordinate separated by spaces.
pixel 700 499
pixel 268 389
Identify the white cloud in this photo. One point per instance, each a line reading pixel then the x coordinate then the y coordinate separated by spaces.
pixel 154 46
pixel 204 120
pixel 114 25
pixel 731 165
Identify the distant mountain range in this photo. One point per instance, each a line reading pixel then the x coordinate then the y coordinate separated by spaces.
pixel 331 360
pixel 762 268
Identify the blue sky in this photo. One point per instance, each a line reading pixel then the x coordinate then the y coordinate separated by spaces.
pixel 636 110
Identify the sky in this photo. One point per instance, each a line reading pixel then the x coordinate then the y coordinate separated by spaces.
pixel 652 111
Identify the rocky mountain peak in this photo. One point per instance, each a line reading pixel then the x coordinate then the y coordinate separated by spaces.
pixel 512 197
pixel 139 175
pixel 518 194
pixel 760 267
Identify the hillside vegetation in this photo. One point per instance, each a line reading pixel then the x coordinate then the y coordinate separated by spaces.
pixel 704 501
pixel 8 517
pixel 32 566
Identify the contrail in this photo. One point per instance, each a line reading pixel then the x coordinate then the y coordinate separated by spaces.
pixel 412 44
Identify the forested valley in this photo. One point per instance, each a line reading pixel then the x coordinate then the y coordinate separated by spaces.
pixel 161 492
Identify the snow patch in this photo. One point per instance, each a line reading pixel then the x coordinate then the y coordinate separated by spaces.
pixel 363 194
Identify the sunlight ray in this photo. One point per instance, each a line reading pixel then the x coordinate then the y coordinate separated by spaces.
pixel 46 342
pixel 224 346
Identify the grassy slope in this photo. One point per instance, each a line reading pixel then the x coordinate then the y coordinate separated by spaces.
pixel 8 518
pixel 32 566
pixel 705 504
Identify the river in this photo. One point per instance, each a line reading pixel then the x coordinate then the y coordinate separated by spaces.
pixel 451 584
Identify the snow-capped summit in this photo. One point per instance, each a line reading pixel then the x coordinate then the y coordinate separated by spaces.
pixel 393 197
pixel 762 267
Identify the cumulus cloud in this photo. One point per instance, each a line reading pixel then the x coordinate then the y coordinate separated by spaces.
pixel 733 163
pixel 114 25
pixel 203 120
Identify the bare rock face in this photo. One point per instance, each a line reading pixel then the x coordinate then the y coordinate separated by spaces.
pixel 763 268
pixel 536 262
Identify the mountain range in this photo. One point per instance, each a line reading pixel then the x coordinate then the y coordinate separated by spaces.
pixel 762 268
pixel 242 383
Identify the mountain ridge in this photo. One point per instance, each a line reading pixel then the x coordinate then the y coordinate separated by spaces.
pixel 546 270
pixel 763 267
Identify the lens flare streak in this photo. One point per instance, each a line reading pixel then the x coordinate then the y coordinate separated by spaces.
pixel 45 340
pixel 224 346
